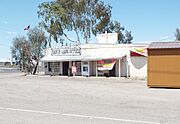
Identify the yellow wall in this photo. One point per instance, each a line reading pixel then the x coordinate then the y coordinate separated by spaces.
pixel 164 71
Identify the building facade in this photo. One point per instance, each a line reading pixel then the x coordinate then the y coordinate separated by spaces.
pixel 112 60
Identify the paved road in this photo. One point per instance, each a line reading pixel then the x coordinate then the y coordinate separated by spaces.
pixel 63 100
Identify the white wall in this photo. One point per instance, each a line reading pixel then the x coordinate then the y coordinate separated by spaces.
pixel 138 67
pixel 124 67
pixel 117 68
pixel 93 67
pixel 106 38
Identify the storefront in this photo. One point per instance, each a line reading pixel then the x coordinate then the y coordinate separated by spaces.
pixel 111 60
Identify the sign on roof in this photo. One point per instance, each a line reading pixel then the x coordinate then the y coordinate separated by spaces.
pixel 66 51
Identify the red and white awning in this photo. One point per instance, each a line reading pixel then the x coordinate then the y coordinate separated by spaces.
pixel 139 51
pixel 106 64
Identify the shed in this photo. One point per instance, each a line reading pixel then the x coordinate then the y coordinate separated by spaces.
pixel 164 64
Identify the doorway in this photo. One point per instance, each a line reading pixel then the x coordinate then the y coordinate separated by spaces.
pixel 112 73
pixel 65 68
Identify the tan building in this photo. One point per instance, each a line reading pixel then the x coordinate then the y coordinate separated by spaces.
pixel 164 64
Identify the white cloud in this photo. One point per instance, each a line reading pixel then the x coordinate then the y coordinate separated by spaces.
pixel 166 38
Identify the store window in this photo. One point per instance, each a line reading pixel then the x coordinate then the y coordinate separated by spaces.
pixel 56 66
pixel 53 66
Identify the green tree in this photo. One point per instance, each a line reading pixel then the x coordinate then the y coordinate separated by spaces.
pixel 17 46
pixel 84 17
pixel 124 36
pixel 20 51
pixel 37 41
pixel 128 37
pixel 177 34
pixel 25 49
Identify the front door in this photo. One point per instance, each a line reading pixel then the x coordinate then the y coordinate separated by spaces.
pixel 65 68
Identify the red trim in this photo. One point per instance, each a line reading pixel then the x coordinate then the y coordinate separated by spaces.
pixel 134 54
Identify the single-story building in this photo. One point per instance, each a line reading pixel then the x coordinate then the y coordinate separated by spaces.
pixel 164 64
pixel 116 60
pixel 4 62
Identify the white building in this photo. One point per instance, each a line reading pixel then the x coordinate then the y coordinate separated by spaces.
pixel 106 58
pixel 117 60
pixel 7 61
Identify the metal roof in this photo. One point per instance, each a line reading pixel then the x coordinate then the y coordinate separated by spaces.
pixel 164 45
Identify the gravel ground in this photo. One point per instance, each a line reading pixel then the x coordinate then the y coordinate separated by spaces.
pixel 84 100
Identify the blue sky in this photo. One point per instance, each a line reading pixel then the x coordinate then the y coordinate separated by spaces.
pixel 148 20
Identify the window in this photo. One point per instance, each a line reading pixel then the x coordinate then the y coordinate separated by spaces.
pixel 53 66
pixel 56 66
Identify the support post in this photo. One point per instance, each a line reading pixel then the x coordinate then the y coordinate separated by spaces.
pixel 119 67
pixel 96 70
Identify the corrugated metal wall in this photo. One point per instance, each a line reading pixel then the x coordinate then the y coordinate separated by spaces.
pixel 164 68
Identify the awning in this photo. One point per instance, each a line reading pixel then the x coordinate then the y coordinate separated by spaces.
pixel 60 58
pixel 90 54
pixel 139 51
pixel 80 58
pixel 106 64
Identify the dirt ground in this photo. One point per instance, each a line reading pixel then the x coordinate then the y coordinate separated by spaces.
pixel 84 100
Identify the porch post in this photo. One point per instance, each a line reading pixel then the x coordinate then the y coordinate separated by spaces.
pixel 127 64
pixel 127 69
pixel 53 68
pixel 119 67
pixel 96 69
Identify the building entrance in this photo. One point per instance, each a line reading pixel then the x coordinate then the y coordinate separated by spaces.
pixel 65 68
pixel 112 73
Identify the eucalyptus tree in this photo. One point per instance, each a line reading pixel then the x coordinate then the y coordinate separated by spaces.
pixel 124 36
pixel 27 49
pixel 177 34
pixel 83 17
pixel 37 41
pixel 20 50
pixel 128 37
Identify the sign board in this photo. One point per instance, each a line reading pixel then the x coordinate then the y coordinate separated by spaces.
pixel 106 64
pixel 74 69
pixel 66 51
